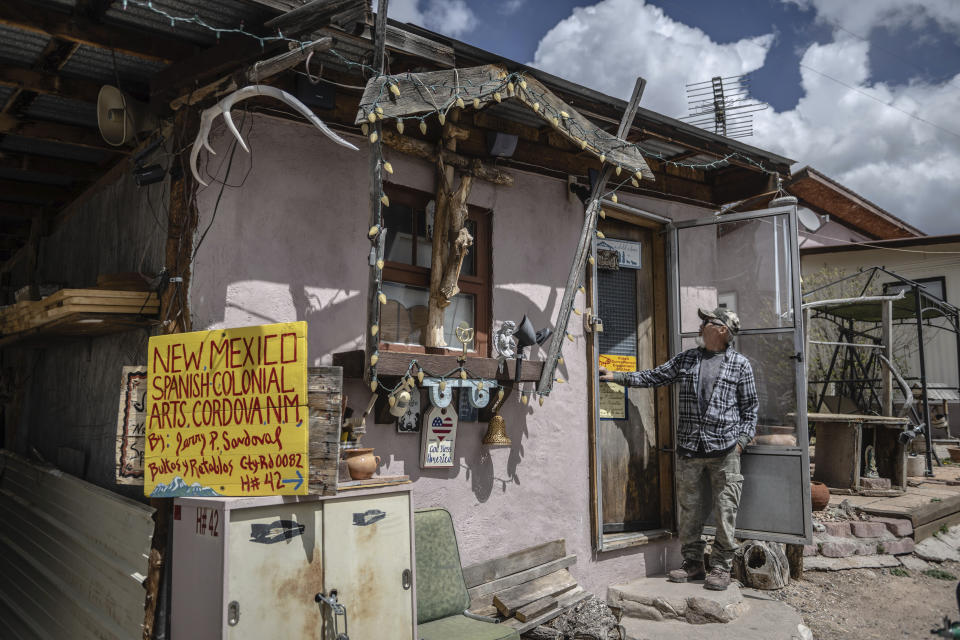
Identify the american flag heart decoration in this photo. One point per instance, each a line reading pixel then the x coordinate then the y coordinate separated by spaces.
pixel 438 437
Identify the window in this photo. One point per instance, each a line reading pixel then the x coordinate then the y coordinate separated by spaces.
pixel 408 222
pixel 934 286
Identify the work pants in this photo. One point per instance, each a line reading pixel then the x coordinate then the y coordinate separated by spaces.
pixel 705 484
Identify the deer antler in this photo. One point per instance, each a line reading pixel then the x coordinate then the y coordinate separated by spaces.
pixel 250 91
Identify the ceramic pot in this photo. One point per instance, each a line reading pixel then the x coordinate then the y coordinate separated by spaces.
pixel 361 463
pixel 819 495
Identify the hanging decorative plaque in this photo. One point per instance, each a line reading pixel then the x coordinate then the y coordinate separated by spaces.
pixel 438 437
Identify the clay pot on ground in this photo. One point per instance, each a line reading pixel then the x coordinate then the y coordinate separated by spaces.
pixel 819 495
pixel 361 463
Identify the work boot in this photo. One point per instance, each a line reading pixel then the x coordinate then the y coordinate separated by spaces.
pixel 689 570
pixel 718 580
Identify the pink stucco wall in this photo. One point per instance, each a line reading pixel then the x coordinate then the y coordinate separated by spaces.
pixel 290 244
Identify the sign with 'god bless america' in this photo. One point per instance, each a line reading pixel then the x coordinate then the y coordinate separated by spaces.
pixel 226 412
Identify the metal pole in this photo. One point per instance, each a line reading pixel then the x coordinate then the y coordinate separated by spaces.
pixel 923 382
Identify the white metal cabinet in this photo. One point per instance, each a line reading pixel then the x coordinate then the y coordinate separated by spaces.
pixel 250 567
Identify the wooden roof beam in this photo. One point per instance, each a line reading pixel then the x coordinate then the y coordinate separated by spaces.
pixel 15 210
pixel 15 189
pixel 80 171
pixel 139 43
pixel 48 84
pixel 56 132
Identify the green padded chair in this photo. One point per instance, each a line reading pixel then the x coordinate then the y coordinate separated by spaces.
pixel 442 598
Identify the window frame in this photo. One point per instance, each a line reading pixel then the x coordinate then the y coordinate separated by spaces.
pixel 888 286
pixel 480 285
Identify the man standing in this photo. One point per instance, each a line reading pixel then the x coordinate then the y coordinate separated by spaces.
pixel 718 417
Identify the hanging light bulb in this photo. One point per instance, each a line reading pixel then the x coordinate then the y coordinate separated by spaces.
pixel 524 399
pixel 423 127
pixel 576 311
pixel 463 374
pixel 374 359
pixel 480 386
pixel 420 376
pixel 391 400
pixel 442 118
pixel 395 90
pixel 618 169
pixel 603 214
pixel 613 198
pixel 496 96
pixel 600 235
pixel 460 104
pixel 564 114
pixel 540 400
pixel 371 117
pixel 500 394
pixel 373 329
pixel 373 385
pixel 603 158
pixel 583 145
pixel 590 259
pixel 555 122
pixel 581 289
pixel 385 200
pixel 382 297
pixel 560 360
pixel 510 88
pixel 373 137
pixel 379 111
pixel 388 167
pixel 380 264
pixel 374 230
pixel 559 380
pixel 443 385
pixel 364 129
pixel 476 103
pixel 523 84
pixel 400 126
pixel 570 337
pixel 536 107
pixel 639 175
pixel 634 182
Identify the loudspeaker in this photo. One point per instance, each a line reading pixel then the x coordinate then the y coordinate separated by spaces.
pixel 120 117
pixel 525 334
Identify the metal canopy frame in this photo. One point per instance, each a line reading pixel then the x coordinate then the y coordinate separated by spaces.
pixel 920 307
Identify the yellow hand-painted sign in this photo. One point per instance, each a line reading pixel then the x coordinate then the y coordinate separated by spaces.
pixel 612 401
pixel 227 412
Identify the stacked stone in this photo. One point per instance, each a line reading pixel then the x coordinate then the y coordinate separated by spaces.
pixel 877 539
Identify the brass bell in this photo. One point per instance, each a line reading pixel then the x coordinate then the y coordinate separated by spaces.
pixel 497 432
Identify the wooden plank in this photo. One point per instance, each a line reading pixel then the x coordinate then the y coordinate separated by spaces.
pixel 564 602
pixel 20 14
pixel 324 390
pixel 395 363
pixel 372 483
pixel 483 593
pixel 403 42
pixel 428 151
pixel 314 15
pixel 536 608
pixel 529 558
pixel 49 84
pixel 926 530
pixel 57 132
pixel 508 601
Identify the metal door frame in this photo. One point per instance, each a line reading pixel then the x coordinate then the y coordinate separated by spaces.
pixel 798 344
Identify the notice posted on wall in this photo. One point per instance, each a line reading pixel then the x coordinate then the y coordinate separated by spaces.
pixel 226 412
pixel 612 401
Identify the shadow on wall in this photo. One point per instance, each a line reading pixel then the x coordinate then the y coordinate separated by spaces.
pixel 478 462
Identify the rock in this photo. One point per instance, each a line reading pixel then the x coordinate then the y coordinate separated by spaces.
pixel 838 529
pixel 657 599
pixel 868 529
pixel 821 563
pixel 899 527
pixel 642 611
pixel 936 550
pixel 874 483
pixel 706 610
pixel 898 547
pixel 913 563
pixel 839 548
pixel 809 550
pixel 591 619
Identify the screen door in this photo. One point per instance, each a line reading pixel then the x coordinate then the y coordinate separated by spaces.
pixel 749 263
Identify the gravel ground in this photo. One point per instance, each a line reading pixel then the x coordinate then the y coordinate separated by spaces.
pixel 873 604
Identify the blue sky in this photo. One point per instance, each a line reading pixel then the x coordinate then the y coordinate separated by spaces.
pixel 839 75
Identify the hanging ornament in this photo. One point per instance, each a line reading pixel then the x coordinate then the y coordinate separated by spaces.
pixel 438 437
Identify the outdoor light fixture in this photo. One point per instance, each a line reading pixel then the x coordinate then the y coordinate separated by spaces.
pixel 501 145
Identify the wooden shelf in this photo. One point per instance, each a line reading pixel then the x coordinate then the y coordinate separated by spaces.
pixel 395 363
pixel 77 312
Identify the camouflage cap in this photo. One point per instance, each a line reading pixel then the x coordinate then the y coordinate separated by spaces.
pixel 727 317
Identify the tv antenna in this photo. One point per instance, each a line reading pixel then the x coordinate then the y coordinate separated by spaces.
pixel 723 104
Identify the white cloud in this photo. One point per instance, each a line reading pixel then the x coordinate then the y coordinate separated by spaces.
pixel 607 45
pixel 510 7
pixel 902 164
pixel 449 17
pixel 861 16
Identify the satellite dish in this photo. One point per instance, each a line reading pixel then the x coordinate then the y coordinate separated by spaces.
pixel 120 118
pixel 810 220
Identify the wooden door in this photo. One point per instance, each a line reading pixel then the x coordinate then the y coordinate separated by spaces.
pixel 632 434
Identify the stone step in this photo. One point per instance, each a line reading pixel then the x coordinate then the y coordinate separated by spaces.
pixel 764 618
pixel 655 598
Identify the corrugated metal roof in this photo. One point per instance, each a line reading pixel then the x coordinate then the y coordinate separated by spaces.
pixel 224 14
pixel 94 63
pixel 63 110
pixel 73 556
pixel 44 148
pixel 21 47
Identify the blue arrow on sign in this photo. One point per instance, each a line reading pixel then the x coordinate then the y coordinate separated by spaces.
pixel 298 480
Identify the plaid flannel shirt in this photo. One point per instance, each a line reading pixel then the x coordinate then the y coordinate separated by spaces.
pixel 731 415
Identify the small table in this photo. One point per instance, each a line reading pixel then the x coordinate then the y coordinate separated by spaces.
pixel 839 457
